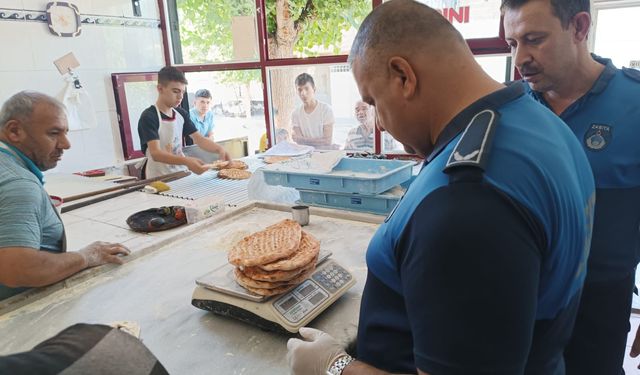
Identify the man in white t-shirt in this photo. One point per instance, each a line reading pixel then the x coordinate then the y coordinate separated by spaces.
pixel 313 121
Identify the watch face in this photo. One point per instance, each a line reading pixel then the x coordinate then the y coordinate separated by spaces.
pixel 64 19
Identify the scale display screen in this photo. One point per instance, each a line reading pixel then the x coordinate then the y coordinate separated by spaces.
pixel 296 304
pixel 307 290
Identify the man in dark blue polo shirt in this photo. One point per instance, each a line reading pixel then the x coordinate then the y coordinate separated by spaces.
pixel 601 105
pixel 479 268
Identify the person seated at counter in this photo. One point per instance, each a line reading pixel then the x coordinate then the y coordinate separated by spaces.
pixel 162 128
pixel 312 122
pixel 33 137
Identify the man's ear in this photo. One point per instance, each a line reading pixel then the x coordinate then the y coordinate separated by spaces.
pixel 581 23
pixel 402 73
pixel 13 131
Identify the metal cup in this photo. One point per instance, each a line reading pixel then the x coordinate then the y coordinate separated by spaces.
pixel 300 214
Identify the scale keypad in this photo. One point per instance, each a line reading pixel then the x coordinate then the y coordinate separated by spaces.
pixel 332 277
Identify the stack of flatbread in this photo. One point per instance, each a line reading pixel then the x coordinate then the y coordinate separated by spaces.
pixel 276 259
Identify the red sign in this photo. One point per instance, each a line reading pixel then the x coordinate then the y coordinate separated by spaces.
pixel 460 15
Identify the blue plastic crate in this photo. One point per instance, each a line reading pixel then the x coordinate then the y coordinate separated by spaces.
pixel 362 176
pixel 380 204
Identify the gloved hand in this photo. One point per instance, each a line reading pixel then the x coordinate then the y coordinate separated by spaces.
pixel 315 355
pixel 99 253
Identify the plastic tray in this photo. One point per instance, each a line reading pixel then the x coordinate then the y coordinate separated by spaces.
pixel 380 204
pixel 362 176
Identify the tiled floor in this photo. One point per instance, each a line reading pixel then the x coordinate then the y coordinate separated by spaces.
pixel 631 364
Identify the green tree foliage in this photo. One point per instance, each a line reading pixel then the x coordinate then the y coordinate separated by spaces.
pixel 320 22
pixel 205 25
pixel 205 33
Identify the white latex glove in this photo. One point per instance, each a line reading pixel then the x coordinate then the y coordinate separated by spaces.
pixel 99 253
pixel 314 355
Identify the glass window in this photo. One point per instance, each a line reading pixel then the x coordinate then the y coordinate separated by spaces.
pixel 617 32
pixel 498 67
pixel 213 31
pixel 237 104
pixel 139 96
pixel 134 92
pixel 473 18
pixel 325 125
pixel 391 146
pixel 301 28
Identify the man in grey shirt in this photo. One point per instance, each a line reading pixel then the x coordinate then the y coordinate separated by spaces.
pixel 33 137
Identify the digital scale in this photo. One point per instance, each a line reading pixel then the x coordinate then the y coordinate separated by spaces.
pixel 219 293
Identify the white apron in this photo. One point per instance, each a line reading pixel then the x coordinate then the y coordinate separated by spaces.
pixel 170 137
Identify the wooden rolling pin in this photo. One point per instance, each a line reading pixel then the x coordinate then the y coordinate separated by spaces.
pixel 138 184
pixel 123 190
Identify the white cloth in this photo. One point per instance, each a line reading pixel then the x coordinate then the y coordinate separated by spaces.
pixel 312 124
pixel 286 148
pixel 80 111
pixel 170 133
pixel 316 163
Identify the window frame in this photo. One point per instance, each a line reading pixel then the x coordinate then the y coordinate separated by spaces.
pixel 126 138
pixel 483 46
pixel 599 5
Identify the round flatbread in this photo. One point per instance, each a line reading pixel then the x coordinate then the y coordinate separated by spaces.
pixel 283 288
pixel 246 281
pixel 258 274
pixel 236 164
pixel 308 250
pixel 275 242
pixel 234 174
pixel 218 164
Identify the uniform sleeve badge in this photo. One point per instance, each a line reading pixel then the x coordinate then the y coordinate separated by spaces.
pixel 598 137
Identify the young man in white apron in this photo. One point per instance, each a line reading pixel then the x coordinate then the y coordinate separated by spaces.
pixel 163 126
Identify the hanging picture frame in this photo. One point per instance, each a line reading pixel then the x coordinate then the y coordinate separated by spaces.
pixel 63 19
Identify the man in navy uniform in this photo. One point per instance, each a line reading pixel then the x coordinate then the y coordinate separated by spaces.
pixel 479 268
pixel 601 105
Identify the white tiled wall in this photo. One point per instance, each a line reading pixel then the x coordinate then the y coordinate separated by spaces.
pixel 26 62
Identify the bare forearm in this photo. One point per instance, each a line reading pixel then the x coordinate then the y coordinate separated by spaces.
pixel 168 158
pixel 208 144
pixel 25 267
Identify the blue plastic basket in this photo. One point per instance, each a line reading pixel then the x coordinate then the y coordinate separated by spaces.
pixel 380 204
pixel 362 176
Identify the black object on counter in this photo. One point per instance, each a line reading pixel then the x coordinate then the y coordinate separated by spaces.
pixel 157 219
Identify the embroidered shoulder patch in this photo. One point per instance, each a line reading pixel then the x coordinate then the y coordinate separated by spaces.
pixel 598 137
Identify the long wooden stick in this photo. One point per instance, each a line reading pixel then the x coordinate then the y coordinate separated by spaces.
pixel 137 184
pixel 166 178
